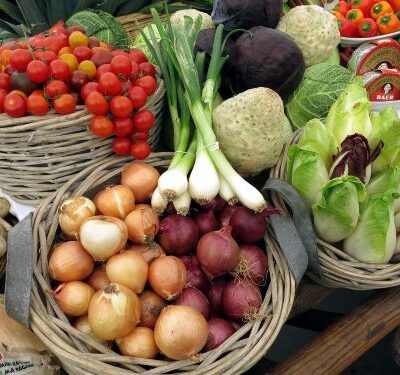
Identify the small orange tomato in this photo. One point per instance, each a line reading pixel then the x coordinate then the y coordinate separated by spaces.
pixel 65 50
pixel 71 60
pixel 338 15
pixel 97 49
pixel 106 46
pixel 88 67
pixel 78 38
pixel 5 57
pixel 64 104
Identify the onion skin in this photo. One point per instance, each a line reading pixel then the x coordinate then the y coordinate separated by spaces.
pixel 226 214
pixel 98 279
pixel 206 222
pixel 196 278
pixel 116 201
pixel 139 343
pixel 82 325
pixel 114 312
pixel 181 332
pixel 151 305
pixel 70 262
pixel 216 205
pixel 247 227
pixel 178 235
pixel 215 295
pixel 219 330
pixel 143 224
pixel 149 251
pixel 257 261
pixel 142 179
pixel 196 299
pixel 167 277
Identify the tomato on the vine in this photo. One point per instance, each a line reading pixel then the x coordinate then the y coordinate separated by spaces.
pixel 121 106
pixel 20 58
pixel 143 120
pixel 96 103
pixel 140 150
pixel 105 68
pixel 45 56
pixel 60 70
pixel 5 81
pixel 137 56
pixel 56 88
pixel 38 71
pixel 83 53
pixel 15 105
pixel 138 97
pixel 121 66
pixel 64 104
pixel 148 84
pixel 89 88
pixel 123 126
pixel 109 84
pixel 3 94
pixel 101 126
pixel 122 145
pixel 147 68
pixel 37 104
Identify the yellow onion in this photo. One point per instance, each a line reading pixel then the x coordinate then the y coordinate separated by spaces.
pixel 139 343
pixel 143 224
pixel 181 332
pixel 74 297
pixel 70 262
pixel 150 251
pixel 103 236
pixel 114 311
pixel 98 279
pixel 151 305
pixel 116 201
pixel 82 325
pixel 128 268
pixel 72 212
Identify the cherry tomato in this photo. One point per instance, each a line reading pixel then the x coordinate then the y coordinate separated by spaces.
pixel 45 56
pixel 143 120
pixel 137 56
pixel 37 92
pixel 88 67
pixel 135 71
pixel 65 50
pixel 109 84
pixel 56 88
pixel 121 106
pixel 138 97
pixel 88 88
pixel 71 60
pixel 140 136
pixel 140 150
pixel 148 84
pixel 60 70
pixel 96 103
pixel 123 126
pixel 101 126
pixel 37 104
pixel 20 58
pixel 121 66
pixel 147 69
pixel 19 92
pixel 122 145
pixel 83 53
pixel 3 94
pixel 93 42
pixel 120 52
pixel 78 79
pixel 77 38
pixel 64 104
pixel 5 82
pixel 38 71
pixel 15 105
pixel 73 28
pixel 9 70
pixel 102 69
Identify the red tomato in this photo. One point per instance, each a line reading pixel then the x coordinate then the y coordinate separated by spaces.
pixel 20 58
pixel 123 126
pixel 147 69
pixel 65 104
pixel 37 104
pixel 140 150
pixel 101 126
pixel 137 56
pixel 37 92
pixel 55 43
pixel 88 88
pixel 55 88
pixel 102 69
pixel 120 52
pixel 109 84
pixel 121 106
pixel 5 82
pixel 122 145
pixel 3 94
pixel 9 70
pixel 76 28
pixel 121 66
pixel 38 71
pixel 60 70
pixel 83 53
pixel 138 97
pixel 135 71
pixel 15 105
pixel 140 136
pixel 143 120
pixel 148 84
pixel 45 56
pixel 96 103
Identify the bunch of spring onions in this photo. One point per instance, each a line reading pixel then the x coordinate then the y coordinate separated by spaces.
pixel 191 94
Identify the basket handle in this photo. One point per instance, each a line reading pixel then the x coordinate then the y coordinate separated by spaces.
pixel 301 225
pixel 19 271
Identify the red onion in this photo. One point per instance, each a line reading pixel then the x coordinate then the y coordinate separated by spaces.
pixel 219 330
pixel 216 205
pixel 170 210
pixel 247 226
pixel 253 264
pixel 236 325
pixel 215 295
pixel 195 275
pixel 218 253
pixel 194 298
pixel 226 214
pixel 241 299
pixel 206 222
pixel 178 235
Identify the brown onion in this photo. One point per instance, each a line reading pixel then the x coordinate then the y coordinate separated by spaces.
pixel 103 236
pixel 194 298
pixel 116 201
pixel 70 262
pixel 74 298
pixel 151 305
pixel 215 295
pixel 114 312
pixel 150 251
pixel 72 212
pixel 181 332
pixel 219 330
pixel 167 277
pixel 139 343
pixel 128 268
pixel 98 279
pixel 143 224
pixel 195 275
pixel 82 325
pixel 141 178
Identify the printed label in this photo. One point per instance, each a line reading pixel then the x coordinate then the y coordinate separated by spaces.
pixel 18 366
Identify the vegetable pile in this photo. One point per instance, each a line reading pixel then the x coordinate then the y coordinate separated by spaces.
pixel 127 275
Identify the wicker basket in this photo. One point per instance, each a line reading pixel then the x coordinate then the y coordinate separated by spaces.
pixel 39 154
pixel 338 269
pixel 236 355
pixel 132 23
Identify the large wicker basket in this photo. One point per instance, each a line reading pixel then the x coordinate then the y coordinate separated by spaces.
pixel 338 269
pixel 239 353
pixel 39 154
pixel 134 22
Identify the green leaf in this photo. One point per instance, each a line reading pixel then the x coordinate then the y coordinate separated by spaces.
pixel 15 29
pixel 56 11
pixel 34 18
pixel 11 10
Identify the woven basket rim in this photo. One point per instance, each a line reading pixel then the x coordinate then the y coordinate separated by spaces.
pixel 338 269
pixel 52 327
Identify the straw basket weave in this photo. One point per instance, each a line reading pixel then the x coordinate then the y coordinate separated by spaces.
pixel 39 154
pixel 338 269
pixel 239 353
pixel 134 22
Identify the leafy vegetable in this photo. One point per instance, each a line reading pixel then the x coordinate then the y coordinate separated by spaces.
pixel 336 214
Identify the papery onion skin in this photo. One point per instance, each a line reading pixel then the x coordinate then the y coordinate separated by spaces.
pixel 248 227
pixel 196 278
pixel 128 268
pixel 116 201
pixel 167 277
pixel 151 305
pixel 141 178
pixel 74 297
pixel 150 251
pixel 103 236
pixel 114 311
pixel 181 332
pixel 98 279
pixel 216 205
pixel 219 330
pixel 194 298
pixel 256 268
pixel 139 343
pixel 70 262
pixel 178 235
pixel 215 295
pixel 143 224
pixel 206 222
pixel 226 214
pixel 72 212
